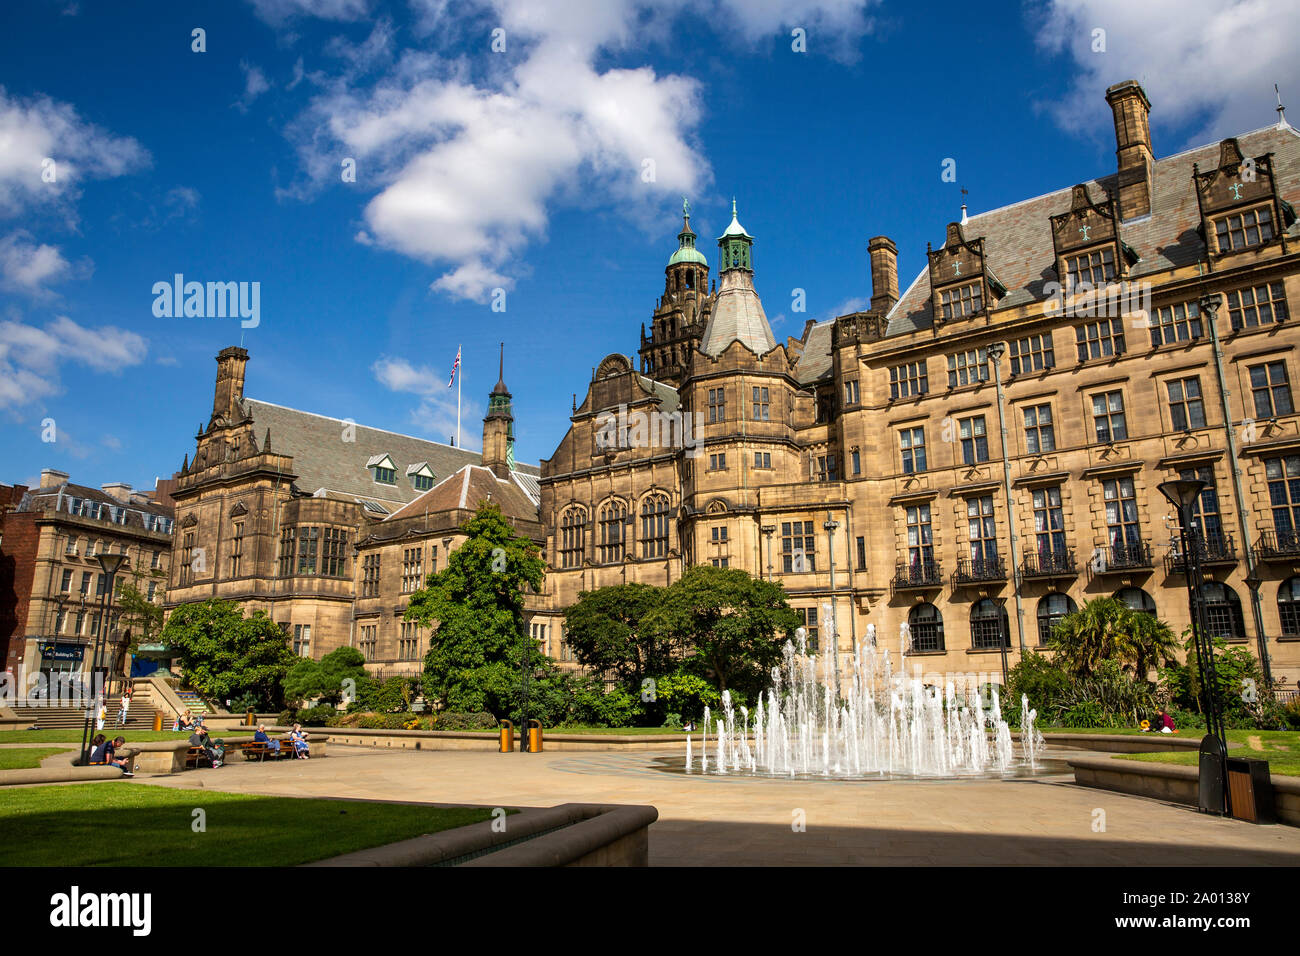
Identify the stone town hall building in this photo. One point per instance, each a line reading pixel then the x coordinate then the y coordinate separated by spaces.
pixel 974 455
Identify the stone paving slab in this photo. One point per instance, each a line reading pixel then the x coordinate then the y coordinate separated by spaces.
pixel 740 821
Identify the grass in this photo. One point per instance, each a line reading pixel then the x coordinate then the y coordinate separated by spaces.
pixel 28 758
pixel 1280 748
pixel 132 824
pixel 1287 738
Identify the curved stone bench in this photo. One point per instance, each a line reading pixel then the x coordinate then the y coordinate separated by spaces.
pixel 489 740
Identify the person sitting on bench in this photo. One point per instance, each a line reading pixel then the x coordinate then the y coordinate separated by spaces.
pixel 215 752
pixel 299 738
pixel 261 738
pixel 105 752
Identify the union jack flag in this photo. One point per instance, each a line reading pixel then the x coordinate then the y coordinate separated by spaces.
pixel 455 365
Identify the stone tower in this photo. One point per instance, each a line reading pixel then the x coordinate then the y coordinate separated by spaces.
pixel 682 312
pixel 499 426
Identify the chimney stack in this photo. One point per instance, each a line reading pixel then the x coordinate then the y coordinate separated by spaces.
pixel 118 491
pixel 51 478
pixel 1132 112
pixel 230 383
pixel 884 273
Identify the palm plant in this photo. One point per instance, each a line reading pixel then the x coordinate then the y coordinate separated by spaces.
pixel 1105 629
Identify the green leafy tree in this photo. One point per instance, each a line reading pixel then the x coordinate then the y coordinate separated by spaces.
pixel 1106 629
pixel 1237 684
pixel 732 624
pixel 604 629
pixel 474 609
pixel 224 654
pixel 327 678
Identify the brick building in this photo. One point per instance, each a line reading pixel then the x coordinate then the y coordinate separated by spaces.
pixel 52 585
pixel 1139 325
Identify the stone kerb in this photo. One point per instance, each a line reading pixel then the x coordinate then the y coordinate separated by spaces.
pixel 490 740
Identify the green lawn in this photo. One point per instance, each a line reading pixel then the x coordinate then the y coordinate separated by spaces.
pixel 27 758
pixel 132 824
pixel 1286 738
pixel 1280 748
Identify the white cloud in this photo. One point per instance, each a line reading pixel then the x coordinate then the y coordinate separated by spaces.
pixel 435 414
pixel 1208 62
pixel 31 357
pixel 255 84
pixel 36 129
pixel 465 168
pixel 276 12
pixel 27 266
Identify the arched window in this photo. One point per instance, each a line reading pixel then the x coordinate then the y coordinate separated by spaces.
pixel 1136 599
pixel 612 514
pixel 988 626
pixel 573 528
pixel 926 625
pixel 1051 608
pixel 1223 611
pixel 1288 607
pixel 654 526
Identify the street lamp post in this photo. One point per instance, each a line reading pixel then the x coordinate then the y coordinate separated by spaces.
pixel 110 563
pixel 1182 495
pixel 769 530
pixel 830 526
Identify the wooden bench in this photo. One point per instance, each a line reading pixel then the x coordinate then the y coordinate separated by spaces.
pixel 195 755
pixel 260 751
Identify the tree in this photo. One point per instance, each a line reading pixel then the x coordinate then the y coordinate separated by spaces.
pixel 604 628
pixel 732 624
pixel 224 654
pixel 474 608
pixel 327 678
pixel 1106 629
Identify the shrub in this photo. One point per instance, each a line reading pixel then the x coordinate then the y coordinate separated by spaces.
pixel 1290 713
pixel 1086 713
pixel 316 716
pixel 1039 678
pixel 287 717
pixel 1186 719
pixel 459 720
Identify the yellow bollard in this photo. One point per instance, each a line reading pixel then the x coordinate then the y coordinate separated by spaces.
pixel 534 736
pixel 507 737
pixel 250 720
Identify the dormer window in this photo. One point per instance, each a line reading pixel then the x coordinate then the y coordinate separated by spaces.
pixel 962 301
pixel 1244 229
pixel 421 476
pixel 382 470
pixel 1096 268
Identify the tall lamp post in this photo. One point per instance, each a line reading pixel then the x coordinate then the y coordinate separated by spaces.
pixel 830 526
pixel 109 563
pixel 1213 794
pixel 768 531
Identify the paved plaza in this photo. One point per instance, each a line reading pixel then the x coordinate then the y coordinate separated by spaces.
pixel 738 821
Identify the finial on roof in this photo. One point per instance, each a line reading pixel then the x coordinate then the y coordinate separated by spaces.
pixel 1281 110
pixel 686 207
pixel 266 442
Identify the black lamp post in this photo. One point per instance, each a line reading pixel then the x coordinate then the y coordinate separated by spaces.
pixel 110 563
pixel 1213 796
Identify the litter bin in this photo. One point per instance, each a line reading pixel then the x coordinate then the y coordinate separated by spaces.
pixel 157 720
pixel 534 736
pixel 507 737
pixel 1251 790
pixel 250 719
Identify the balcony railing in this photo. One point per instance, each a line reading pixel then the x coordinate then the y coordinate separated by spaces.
pixel 1211 550
pixel 1132 556
pixel 1278 545
pixel 975 570
pixel 1050 564
pixel 920 574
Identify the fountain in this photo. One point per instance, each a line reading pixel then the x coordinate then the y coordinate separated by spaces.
pixel 887 724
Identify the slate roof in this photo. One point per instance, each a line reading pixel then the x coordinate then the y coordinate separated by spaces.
pixel 1018 237
pixel 323 461
pixel 815 362
pixel 669 400
pixel 737 316
pixel 465 489
pixel 64 496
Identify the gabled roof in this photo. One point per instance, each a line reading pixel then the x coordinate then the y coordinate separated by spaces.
pixel 815 362
pixel 1018 237
pixel 323 460
pixel 465 489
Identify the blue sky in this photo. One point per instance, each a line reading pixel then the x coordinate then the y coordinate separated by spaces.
pixel 522 169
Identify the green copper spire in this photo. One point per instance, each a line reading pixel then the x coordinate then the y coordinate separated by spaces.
pixel 736 245
pixel 686 251
pixel 499 405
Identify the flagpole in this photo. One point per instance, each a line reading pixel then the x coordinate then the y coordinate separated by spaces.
pixel 458 378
